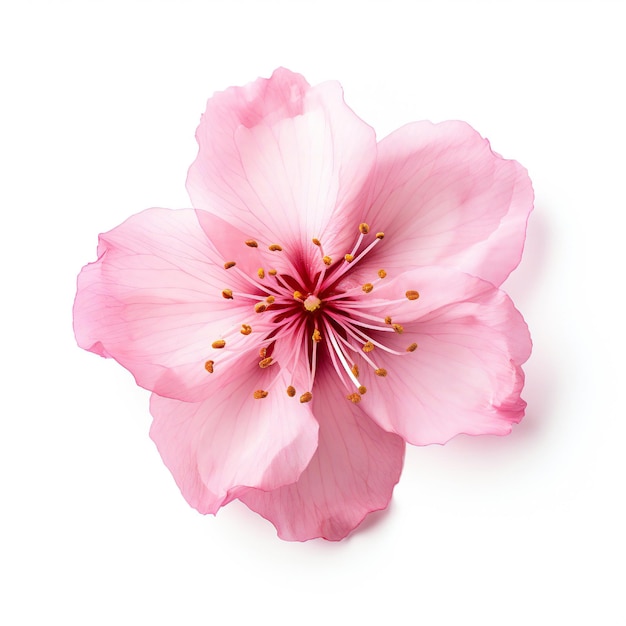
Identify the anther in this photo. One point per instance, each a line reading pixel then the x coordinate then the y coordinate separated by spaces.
pixel 381 371
pixel 259 393
pixel 306 397
pixel 317 336
pixel 208 366
pixel 316 241
pixel 272 272
pixel 380 235
pixel 220 343
pixel 362 389
pixel 368 346
pixel 398 328
pixel 263 352
pixel 266 362
pixel 367 287
pixel 252 244
pixel 259 307
pixel 388 319
pixel 364 228
pixel 246 329
pixel 349 258
pixel 227 293
pixel 354 397
pixel 412 295
pixel 275 247
pixel 260 272
pixel 382 273
pixel 291 391
pixel 297 295
pixel 355 370
pixel 412 348
pixel 327 260
pixel 270 299
pixel 229 264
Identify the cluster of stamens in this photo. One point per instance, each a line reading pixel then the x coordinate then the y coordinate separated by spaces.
pixel 315 311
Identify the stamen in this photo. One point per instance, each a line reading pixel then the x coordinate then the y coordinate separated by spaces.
pixel 354 397
pixel 317 336
pixel 412 348
pixel 364 228
pixel 270 299
pixel 381 371
pixel 291 391
pixel 246 329
pixel 227 294
pixel 316 241
pixel 260 273
pixel 388 320
pixel 380 235
pixel 382 273
pixel 412 295
pixel 208 366
pixel 229 264
pixel 252 244
pixel 220 343
pixel 306 397
pixel 327 260
pixel 368 346
pixel 349 258
pixel 272 272
pixel 355 370
pixel 298 295
pixel 362 389
pixel 264 363
pixel 263 352
pixel 259 307
pixel 259 393
pixel 398 328
pixel 367 287
pixel 275 247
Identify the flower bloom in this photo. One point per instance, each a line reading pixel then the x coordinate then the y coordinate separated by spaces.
pixel 329 298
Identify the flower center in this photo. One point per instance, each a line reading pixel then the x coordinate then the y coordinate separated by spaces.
pixel 303 309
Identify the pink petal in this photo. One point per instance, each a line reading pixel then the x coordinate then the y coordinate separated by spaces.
pixel 352 473
pixel 153 301
pixel 216 447
pixel 442 197
pixel 283 161
pixel 465 376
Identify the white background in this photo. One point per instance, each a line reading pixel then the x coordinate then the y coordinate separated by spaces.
pixel 99 105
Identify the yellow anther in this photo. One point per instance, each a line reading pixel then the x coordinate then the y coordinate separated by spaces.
pixel 382 273
pixel 263 352
pixel 362 389
pixel 306 397
pixel 270 299
pixel 259 307
pixel 291 391
pixel 260 272
pixel 246 329
pixel 220 343
pixel 388 319
pixel 275 247
pixel 259 393
pixel 327 260
pixel 252 244
pixel 229 264
pixel 355 370
pixel 412 348
pixel 364 228
pixel 412 295
pixel 354 397
pixel 381 372
pixel 349 258
pixel 398 328
pixel 297 295
pixel 272 272
pixel 208 366
pixel 227 293
pixel 316 241
pixel 367 287
pixel 368 346
pixel 380 235
pixel 317 336
pixel 266 362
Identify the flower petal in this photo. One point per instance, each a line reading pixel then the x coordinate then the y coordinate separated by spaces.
pixel 352 473
pixel 442 197
pixel 465 375
pixel 153 301
pixel 283 160
pixel 233 440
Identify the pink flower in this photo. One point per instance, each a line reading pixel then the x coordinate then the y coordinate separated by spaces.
pixel 329 299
